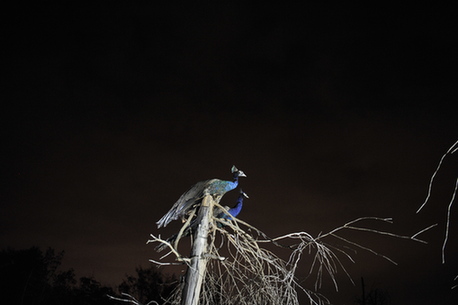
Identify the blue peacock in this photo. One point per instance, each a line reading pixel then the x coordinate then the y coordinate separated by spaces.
pixel 234 211
pixel 228 214
pixel 214 187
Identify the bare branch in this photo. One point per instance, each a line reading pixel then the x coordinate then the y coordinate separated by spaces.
pixel 422 231
pixel 448 221
pixel 451 150
pixel 179 257
pixel 130 299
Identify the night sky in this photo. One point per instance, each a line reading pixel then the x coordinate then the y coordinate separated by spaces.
pixel 110 113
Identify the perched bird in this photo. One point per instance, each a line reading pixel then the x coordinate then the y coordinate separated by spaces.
pixel 234 211
pixel 217 212
pixel 214 187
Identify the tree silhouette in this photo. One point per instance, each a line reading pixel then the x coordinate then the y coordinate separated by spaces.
pixel 373 297
pixel 26 274
pixel 148 285
pixel 31 276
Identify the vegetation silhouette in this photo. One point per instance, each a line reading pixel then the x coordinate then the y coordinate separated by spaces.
pixel 33 277
pixel 148 285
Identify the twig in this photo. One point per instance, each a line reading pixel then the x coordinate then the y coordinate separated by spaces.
pixel 451 150
pixel 172 249
pixel 163 264
pixel 424 230
pixel 130 299
pixel 448 221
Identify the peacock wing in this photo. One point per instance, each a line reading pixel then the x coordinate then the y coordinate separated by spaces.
pixel 186 201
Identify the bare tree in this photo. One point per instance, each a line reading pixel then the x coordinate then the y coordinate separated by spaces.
pixel 237 266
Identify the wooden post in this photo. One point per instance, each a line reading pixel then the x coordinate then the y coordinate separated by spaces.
pixel 196 271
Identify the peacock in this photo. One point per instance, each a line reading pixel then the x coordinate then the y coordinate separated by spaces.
pixel 234 211
pixel 214 187
pixel 217 212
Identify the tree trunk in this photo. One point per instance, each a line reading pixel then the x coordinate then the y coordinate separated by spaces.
pixel 196 271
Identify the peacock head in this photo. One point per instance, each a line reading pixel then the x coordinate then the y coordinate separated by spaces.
pixel 237 172
pixel 244 194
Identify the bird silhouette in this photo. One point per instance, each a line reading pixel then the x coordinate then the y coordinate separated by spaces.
pixel 214 187
pixel 217 213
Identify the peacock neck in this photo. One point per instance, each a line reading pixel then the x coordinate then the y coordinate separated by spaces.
pixel 236 178
pixel 235 182
pixel 238 207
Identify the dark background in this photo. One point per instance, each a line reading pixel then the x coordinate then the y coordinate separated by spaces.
pixel 110 113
